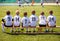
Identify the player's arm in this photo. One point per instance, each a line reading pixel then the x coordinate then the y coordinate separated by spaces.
pixel 36 18
pixel 47 20
pixel 22 22
pixel 55 21
pixel 3 20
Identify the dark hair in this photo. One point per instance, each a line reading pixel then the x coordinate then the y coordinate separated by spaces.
pixel 51 12
pixel 25 13
pixel 42 13
pixel 33 12
pixel 8 12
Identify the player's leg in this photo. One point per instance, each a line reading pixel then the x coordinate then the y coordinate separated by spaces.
pixel 52 28
pixel 27 30
pixel 18 28
pixel 12 28
pixel 34 28
pixel 22 28
pixel 47 28
pixel 3 27
pixel 39 28
pixel 42 5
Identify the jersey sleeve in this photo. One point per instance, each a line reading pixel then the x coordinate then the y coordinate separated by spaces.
pixel 3 20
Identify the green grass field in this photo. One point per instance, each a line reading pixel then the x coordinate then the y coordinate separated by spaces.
pixel 38 9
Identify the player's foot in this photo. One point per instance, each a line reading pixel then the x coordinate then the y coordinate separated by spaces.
pixel 34 31
pixel 29 31
pixel 3 31
pixel 22 29
pixel 46 30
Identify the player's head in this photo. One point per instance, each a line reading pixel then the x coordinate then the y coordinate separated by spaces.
pixel 25 14
pixel 8 12
pixel 51 12
pixel 42 13
pixel 33 12
pixel 17 12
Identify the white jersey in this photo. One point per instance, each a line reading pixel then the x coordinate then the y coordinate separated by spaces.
pixel 17 20
pixel 42 20
pixel 33 20
pixel 25 21
pixel 51 20
pixel 8 20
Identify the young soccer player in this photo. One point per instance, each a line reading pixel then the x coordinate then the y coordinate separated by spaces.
pixel 33 20
pixel 51 20
pixel 42 21
pixel 25 21
pixel 57 2
pixel 27 1
pixel 17 21
pixel 7 21
pixel 19 2
pixel 42 1
pixel 32 2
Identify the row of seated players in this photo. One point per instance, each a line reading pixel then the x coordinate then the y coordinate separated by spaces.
pixel 8 21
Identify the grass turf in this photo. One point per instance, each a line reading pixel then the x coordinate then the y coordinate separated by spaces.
pixel 38 9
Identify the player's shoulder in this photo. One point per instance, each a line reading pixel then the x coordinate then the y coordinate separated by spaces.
pixel 5 16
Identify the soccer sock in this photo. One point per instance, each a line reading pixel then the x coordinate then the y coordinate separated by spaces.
pixel 3 27
pixel 14 29
pixel 33 29
pixel 18 28
pixel 51 29
pixel 11 30
pixel 26 28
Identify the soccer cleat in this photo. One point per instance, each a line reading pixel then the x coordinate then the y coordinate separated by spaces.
pixel 29 31
pixel 34 31
pixel 22 29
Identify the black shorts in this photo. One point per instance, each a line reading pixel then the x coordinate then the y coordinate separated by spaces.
pixel 42 25
pixel 17 26
pixel 8 26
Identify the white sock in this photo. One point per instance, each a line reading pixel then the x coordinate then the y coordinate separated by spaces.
pixel 14 29
pixel 3 27
pixel 26 28
pixel 11 30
